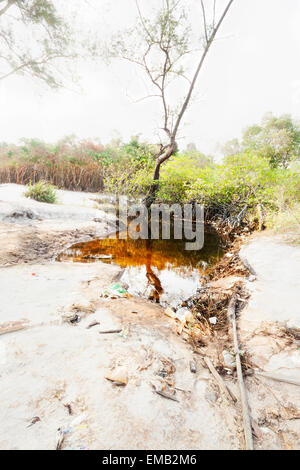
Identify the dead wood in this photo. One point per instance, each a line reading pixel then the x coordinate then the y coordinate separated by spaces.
pixel 223 387
pixel 107 332
pixel 243 392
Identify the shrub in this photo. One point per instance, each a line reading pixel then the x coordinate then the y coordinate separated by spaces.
pixel 42 192
pixel 129 168
pixel 244 181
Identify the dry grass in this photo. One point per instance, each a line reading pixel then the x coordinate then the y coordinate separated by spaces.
pixel 72 177
pixel 286 223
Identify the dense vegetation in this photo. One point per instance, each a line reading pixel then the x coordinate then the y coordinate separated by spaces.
pixel 65 164
pixel 258 178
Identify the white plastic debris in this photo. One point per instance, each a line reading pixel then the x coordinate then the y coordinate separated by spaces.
pixel 184 315
pixel 229 360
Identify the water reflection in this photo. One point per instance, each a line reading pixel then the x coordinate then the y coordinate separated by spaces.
pixel 161 270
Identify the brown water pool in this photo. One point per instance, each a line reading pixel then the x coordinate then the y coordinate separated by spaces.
pixel 161 270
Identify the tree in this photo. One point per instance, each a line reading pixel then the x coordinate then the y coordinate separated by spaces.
pixel 33 37
pixel 160 46
pixel 276 139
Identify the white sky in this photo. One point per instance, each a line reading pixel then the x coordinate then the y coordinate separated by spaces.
pixel 253 70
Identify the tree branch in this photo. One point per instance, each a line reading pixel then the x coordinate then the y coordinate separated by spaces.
pixel 210 41
pixel 204 21
pixel 7 6
pixel 214 14
pixel 143 21
pixel 33 63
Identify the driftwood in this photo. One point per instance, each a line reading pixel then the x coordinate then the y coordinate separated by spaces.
pixel 222 385
pixel 245 408
pixel 107 332
pixel 12 326
pixel 165 395
pixel 225 389
pixel 278 378
pixel 94 323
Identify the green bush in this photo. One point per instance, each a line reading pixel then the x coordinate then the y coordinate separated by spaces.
pixel 129 168
pixel 42 192
pixel 177 176
pixel 244 180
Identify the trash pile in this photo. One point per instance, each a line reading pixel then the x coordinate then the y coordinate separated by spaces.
pixel 205 313
pixel 230 265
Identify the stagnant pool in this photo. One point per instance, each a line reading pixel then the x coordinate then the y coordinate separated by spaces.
pixel 160 270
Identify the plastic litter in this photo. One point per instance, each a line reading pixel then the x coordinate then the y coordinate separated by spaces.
pixel 118 288
pixel 78 420
pixel 125 332
pixel 229 359
pixel 60 437
pixel 115 291
pixel 182 315
pixel 75 425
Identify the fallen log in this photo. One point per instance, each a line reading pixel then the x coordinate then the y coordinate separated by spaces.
pixel 245 407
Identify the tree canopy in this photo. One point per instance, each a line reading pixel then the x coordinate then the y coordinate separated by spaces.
pixel 277 139
pixel 33 37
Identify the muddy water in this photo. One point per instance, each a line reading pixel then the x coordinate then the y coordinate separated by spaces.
pixel 160 270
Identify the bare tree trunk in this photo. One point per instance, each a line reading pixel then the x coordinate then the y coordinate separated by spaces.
pixel 172 134
pixel 161 158
pixel 154 186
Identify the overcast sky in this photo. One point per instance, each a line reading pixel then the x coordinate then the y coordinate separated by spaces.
pixel 254 68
